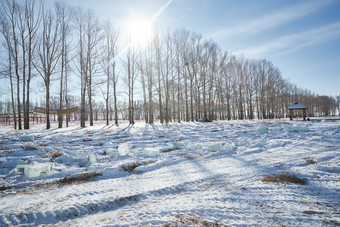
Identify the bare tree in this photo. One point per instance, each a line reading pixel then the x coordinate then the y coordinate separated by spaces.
pixel 130 65
pixel 157 42
pixel 81 62
pixel 89 38
pixel 6 31
pixel 93 38
pixel 64 13
pixel 48 55
pixel 109 67
pixel 32 19
pixel 10 10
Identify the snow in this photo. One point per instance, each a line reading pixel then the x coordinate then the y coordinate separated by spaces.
pixel 188 173
pixel 26 138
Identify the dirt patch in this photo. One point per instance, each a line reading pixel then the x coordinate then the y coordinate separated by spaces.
pixel 284 178
pixel 79 178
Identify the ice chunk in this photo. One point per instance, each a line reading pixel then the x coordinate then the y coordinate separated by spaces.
pixel 261 131
pixel 12 147
pixel 26 138
pixel 275 142
pixel 65 158
pixel 227 147
pixel 299 129
pixel 151 152
pixel 91 158
pixel 123 149
pixel 70 157
pixel 215 147
pixel 28 147
pixel 36 169
pixel 246 142
pixel 111 152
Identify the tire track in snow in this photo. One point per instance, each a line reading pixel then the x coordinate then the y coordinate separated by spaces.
pixel 117 193
pixel 80 210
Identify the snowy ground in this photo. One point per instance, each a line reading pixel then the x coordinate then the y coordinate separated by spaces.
pixel 177 174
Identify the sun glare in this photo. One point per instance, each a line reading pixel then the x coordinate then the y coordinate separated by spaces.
pixel 140 32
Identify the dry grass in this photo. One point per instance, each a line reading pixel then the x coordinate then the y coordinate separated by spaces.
pixel 186 220
pixel 284 178
pixel 87 140
pixel 130 167
pixel 171 149
pixel 28 147
pixel 313 212
pixel 310 161
pixel 79 178
pixel 57 154
pixel 4 187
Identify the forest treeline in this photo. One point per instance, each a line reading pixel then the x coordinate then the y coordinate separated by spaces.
pixel 177 76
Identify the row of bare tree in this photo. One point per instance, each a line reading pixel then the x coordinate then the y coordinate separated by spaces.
pixel 181 75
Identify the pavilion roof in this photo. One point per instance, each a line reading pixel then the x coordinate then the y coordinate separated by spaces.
pixel 296 107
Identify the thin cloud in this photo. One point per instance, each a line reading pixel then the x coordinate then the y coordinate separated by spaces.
pixel 296 41
pixel 272 20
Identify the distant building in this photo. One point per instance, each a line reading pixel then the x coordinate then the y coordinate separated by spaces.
pixel 297 106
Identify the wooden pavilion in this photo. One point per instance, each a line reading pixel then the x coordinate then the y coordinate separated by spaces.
pixel 297 106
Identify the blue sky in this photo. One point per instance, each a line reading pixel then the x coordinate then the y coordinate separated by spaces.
pixel 302 38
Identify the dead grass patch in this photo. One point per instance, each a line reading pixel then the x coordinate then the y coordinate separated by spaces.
pixel 4 187
pixel 87 140
pixel 284 178
pixel 102 219
pixel 192 220
pixel 311 212
pixel 79 178
pixel 27 147
pixel 130 167
pixel 310 161
pixel 57 154
pixel 170 149
pixel 149 162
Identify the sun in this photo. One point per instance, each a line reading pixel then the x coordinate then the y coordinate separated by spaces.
pixel 140 32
